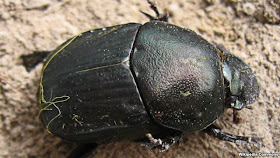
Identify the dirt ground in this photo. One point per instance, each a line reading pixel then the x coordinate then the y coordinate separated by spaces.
pixel 247 28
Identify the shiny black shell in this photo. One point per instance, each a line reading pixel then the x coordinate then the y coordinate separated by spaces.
pixel 179 75
pixel 123 81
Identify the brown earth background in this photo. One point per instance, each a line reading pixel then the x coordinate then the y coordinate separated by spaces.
pixel 247 28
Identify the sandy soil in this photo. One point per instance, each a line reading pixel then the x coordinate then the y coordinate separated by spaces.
pixel 247 28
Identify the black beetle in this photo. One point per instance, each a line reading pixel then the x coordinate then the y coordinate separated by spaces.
pixel 136 81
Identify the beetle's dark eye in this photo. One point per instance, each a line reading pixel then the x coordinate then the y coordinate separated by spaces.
pixel 242 82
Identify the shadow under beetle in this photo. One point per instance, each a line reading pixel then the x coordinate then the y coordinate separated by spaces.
pixel 133 81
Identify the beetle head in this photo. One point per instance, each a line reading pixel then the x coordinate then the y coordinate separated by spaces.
pixel 242 87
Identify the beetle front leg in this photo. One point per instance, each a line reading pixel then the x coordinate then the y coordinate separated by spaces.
pixel 163 144
pixel 161 17
pixel 242 140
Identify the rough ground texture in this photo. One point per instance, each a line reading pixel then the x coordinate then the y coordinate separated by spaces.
pixel 247 28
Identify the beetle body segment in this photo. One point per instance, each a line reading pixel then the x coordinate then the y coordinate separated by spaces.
pixel 179 75
pixel 243 85
pixel 124 81
pixel 93 74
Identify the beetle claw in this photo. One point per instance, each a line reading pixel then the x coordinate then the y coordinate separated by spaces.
pixel 250 142
pixel 162 145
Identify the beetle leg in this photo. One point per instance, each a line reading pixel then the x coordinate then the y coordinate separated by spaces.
pixel 242 140
pixel 83 150
pixel 236 118
pixel 159 17
pixel 163 144
pixel 29 61
pixel 154 7
pixel 149 16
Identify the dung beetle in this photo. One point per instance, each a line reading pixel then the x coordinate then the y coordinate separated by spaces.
pixel 133 81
